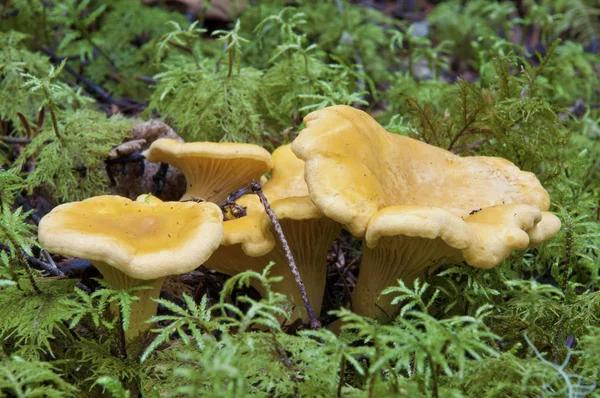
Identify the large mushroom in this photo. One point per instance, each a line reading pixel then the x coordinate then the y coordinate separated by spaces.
pixel 212 170
pixel 135 243
pixel 415 205
pixel 249 241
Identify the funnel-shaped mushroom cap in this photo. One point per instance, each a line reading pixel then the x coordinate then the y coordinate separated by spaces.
pixel 135 243
pixel 287 179
pixel 212 170
pixel 143 240
pixel 355 168
pixel 249 242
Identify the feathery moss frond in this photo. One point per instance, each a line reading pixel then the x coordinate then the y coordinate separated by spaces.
pixel 16 62
pixel 22 378
pixel 72 164
pixel 42 318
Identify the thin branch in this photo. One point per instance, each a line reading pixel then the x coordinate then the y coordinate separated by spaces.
pixel 342 377
pixel 99 93
pixel 472 147
pixel 20 201
pixel 22 257
pixel 53 269
pixel 182 47
pixel 25 123
pixel 472 119
pixel 257 189
pixel 50 268
pixel 54 122
pixel 146 79
pixel 14 140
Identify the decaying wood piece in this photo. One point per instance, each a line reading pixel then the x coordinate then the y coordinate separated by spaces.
pixel 131 174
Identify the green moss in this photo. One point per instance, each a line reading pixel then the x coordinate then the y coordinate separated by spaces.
pixel 465 78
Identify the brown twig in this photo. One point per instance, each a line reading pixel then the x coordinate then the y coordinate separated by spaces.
pixel 40 122
pixel 20 201
pixel 23 260
pixel 50 268
pixel 230 205
pixel 146 79
pixel 342 378
pixel 25 124
pixel 182 47
pixel 257 189
pixel 14 140
pixel 99 93
pixel 473 147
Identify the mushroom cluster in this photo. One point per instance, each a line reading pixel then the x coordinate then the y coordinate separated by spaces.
pixel 413 205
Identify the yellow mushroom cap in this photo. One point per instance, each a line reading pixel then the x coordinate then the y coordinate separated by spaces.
pixel 287 176
pixel 484 239
pixel 252 232
pixel 287 180
pixel 143 240
pixel 354 168
pixel 212 170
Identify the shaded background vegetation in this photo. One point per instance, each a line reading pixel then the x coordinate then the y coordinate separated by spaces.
pixel 516 79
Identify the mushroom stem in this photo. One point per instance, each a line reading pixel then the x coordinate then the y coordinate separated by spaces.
pixel 399 257
pixel 311 255
pixel 257 189
pixel 141 310
pixel 313 260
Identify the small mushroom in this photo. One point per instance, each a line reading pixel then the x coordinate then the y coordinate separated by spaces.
pixel 416 205
pixel 212 170
pixel 249 241
pixel 135 243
